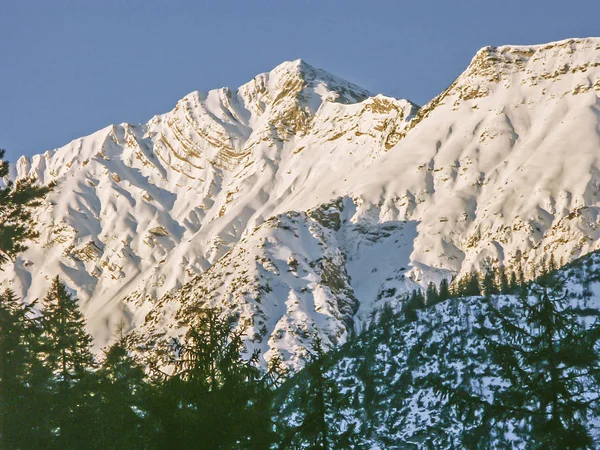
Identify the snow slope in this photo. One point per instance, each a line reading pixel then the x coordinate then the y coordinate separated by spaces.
pixel 140 210
pixel 219 193
pixel 391 372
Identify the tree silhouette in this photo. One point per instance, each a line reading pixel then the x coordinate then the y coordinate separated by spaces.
pixel 121 388
pixel 221 399
pixel 23 379
pixel 548 356
pixel 321 406
pixel 66 353
pixel 16 203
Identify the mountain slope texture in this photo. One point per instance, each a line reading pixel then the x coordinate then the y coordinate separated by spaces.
pixel 399 377
pixel 301 202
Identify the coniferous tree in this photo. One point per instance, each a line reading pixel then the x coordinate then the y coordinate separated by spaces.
pixel 551 362
pixel 121 388
pixel 218 398
pixel 432 294
pixel 503 280
pixel 16 203
pixel 66 353
pixel 23 380
pixel 471 284
pixel 489 283
pixel 513 283
pixel 321 405
pixel 520 274
pixel 444 291
pixel 414 302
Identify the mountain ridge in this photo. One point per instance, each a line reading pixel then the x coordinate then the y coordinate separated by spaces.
pixel 422 194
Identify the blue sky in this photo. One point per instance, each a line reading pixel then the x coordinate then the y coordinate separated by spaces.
pixel 70 68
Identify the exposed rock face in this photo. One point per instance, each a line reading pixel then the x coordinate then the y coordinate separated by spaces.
pixel 300 201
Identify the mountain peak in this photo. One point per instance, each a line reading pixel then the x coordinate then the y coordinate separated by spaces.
pixel 296 64
pixel 301 74
pixel 481 175
pixel 540 61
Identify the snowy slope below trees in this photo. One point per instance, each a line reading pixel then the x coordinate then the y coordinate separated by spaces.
pixel 396 375
pixel 218 193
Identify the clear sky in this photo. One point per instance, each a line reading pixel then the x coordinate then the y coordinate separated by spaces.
pixel 70 68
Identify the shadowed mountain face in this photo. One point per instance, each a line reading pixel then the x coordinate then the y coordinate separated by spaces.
pixel 299 200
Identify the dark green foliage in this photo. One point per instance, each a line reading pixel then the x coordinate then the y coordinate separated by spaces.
pixel 471 286
pixel 22 377
pixel 66 353
pixel 553 362
pixel 503 283
pixel 415 302
pixel 53 394
pixel 121 390
pixel 489 283
pixel 216 399
pixel 432 296
pixel 320 404
pixel 513 283
pixel 444 291
pixel 16 203
pixel 66 343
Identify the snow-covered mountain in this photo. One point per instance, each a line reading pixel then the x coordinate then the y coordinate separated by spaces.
pixel 300 200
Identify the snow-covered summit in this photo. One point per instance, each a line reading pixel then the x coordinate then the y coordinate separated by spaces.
pixel 141 209
pixel 300 200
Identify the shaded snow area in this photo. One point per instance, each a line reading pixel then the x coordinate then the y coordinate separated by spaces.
pixel 389 371
pixel 302 202
pixel 295 275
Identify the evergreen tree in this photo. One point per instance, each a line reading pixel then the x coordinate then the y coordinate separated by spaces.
pixel 415 302
pixel 503 280
pixel 551 361
pixel 552 263
pixel 67 354
pixel 489 283
pixel 119 408
pixel 471 285
pixel 444 292
pixel 520 275
pixel 23 380
pixel 16 203
pixel 432 294
pixel 386 317
pixel 513 283
pixel 321 404
pixel 219 399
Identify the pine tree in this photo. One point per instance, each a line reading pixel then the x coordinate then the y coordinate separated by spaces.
pixel 67 354
pixel 444 292
pixel 221 400
pixel 503 280
pixel 16 203
pixel 489 283
pixel 551 361
pixel 513 283
pixel 520 274
pixel 471 284
pixel 321 406
pixel 23 380
pixel 121 390
pixel 415 302
pixel 432 294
